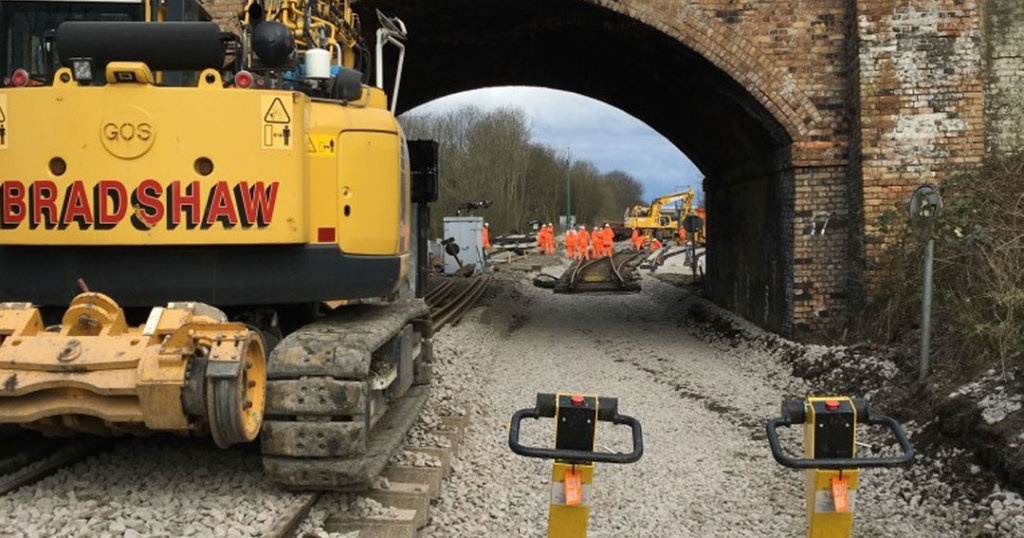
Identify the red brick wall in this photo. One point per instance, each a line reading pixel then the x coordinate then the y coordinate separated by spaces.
pixel 921 101
pixel 879 96
pixel 225 12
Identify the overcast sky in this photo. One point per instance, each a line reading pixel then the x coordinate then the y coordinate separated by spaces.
pixel 591 130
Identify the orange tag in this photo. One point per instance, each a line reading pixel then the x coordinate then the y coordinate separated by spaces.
pixel 839 493
pixel 573 487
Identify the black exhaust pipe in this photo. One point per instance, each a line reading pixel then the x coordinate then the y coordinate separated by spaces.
pixel 163 46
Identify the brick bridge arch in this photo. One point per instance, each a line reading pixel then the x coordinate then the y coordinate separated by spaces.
pixel 732 52
pixel 808 119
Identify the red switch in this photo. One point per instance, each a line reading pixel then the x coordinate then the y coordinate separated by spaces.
pixel 577 399
pixel 831 405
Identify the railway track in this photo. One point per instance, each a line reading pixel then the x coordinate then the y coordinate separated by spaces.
pixel 605 274
pixel 28 459
pixel 287 525
pixel 451 299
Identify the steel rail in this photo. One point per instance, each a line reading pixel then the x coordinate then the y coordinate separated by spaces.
pixel 626 258
pixel 286 526
pixel 462 301
pixel 580 269
pixel 439 292
pixel 52 462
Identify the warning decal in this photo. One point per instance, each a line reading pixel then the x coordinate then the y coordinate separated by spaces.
pixel 4 128
pixel 277 131
pixel 320 145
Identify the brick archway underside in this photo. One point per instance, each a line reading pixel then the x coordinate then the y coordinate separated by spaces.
pixel 459 45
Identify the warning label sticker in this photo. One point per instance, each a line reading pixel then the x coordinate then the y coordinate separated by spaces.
pixel 4 127
pixel 277 123
pixel 320 145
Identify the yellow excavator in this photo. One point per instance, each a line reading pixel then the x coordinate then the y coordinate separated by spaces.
pixel 650 221
pixel 197 197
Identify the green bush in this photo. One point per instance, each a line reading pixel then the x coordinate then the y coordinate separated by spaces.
pixel 978 299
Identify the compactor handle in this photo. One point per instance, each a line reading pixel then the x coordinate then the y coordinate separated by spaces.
pixel 793 413
pixel 607 411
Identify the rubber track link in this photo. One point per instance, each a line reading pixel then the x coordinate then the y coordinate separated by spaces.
pixel 342 392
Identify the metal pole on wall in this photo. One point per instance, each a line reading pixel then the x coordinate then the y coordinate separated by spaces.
pixel 568 161
pixel 925 206
pixel 926 307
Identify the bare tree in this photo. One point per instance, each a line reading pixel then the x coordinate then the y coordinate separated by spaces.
pixel 490 156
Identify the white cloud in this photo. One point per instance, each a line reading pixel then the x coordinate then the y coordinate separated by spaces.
pixel 591 130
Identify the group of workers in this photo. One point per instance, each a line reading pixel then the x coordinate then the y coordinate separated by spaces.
pixel 546 239
pixel 583 245
pixel 580 244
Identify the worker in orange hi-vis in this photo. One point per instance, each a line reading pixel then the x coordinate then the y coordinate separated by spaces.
pixel 570 243
pixel 551 239
pixel 487 236
pixel 682 236
pixel 595 242
pixel 583 244
pixel 634 239
pixel 655 244
pixel 608 239
pixel 542 233
pixel 641 241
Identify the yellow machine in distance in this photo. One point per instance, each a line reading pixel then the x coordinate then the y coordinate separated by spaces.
pixel 220 189
pixel 653 222
pixel 572 473
pixel 830 457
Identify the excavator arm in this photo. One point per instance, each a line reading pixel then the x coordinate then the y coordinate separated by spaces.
pixel 662 201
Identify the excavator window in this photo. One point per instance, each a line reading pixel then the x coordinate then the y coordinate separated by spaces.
pixel 27 30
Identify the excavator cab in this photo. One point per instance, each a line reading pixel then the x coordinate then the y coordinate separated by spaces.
pixel 28 30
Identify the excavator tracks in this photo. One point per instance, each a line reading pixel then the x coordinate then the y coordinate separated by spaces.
pixel 342 392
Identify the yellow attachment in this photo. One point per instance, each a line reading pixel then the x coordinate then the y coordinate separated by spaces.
pixel 825 521
pixel 823 518
pixel 96 374
pixel 569 520
pixel 129 72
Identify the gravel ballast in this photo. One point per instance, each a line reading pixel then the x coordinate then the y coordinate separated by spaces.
pixel 702 397
pixel 703 401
